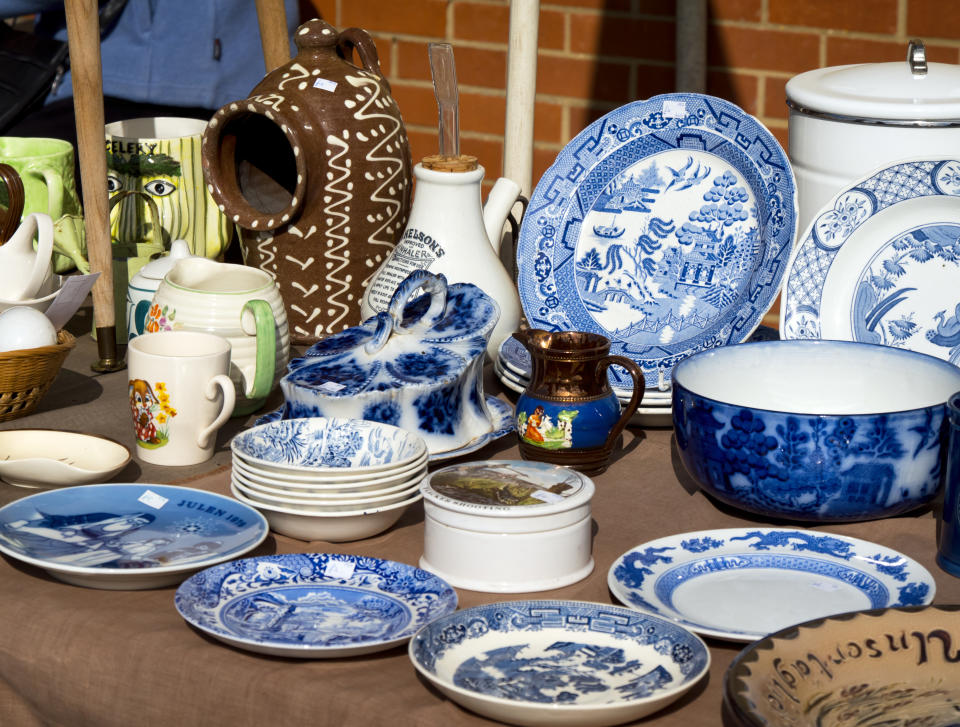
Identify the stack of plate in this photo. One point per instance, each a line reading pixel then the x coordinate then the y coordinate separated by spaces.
pixel 513 367
pixel 328 479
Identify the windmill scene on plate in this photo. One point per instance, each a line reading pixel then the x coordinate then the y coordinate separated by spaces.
pixel 907 295
pixel 667 247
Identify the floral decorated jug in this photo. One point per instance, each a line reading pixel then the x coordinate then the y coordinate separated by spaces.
pixel 314 168
pixel 568 414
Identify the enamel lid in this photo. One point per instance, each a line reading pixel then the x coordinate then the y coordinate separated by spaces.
pixel 156 269
pixel 508 489
pixel 911 93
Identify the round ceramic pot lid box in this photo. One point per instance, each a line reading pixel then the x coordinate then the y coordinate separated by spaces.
pixel 507 496
pixel 507 526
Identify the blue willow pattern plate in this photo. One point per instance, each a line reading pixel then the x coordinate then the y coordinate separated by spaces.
pixel 534 662
pixel 313 605
pixel 127 536
pixel 665 226
pixel 881 263
pixel 741 584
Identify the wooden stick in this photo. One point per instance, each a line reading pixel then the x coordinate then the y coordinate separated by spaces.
pixel 272 17
pixel 83 33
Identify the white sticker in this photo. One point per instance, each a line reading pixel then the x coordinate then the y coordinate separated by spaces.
pixel 339 569
pixel 825 586
pixel 152 499
pixel 546 496
pixel 331 387
pixel 326 84
pixel 674 109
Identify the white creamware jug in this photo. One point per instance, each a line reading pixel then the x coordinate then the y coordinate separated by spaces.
pixel 25 271
pixel 449 232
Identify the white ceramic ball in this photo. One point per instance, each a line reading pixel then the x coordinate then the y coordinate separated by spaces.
pixel 22 327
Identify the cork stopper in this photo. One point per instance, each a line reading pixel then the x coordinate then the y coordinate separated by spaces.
pixel 440 163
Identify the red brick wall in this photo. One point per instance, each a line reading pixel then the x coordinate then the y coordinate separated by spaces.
pixel 595 55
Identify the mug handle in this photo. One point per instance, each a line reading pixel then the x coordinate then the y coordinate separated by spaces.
pixel 266 334
pixel 225 386
pixel 9 176
pixel 639 385
pixel 54 189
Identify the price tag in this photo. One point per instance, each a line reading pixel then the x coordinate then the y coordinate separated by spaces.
pixel 331 387
pixel 546 496
pixel 674 109
pixel 152 499
pixel 325 84
pixel 341 570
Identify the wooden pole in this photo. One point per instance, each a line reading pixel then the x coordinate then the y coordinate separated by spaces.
pixel 83 36
pixel 272 17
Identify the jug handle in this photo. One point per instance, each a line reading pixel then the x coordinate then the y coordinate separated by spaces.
pixel 639 384
pixel 357 38
pixel 14 185
pixel 266 347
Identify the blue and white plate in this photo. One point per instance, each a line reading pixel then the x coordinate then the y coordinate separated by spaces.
pixel 501 414
pixel 881 263
pixel 665 226
pixel 127 536
pixel 741 584
pixel 313 605
pixel 559 662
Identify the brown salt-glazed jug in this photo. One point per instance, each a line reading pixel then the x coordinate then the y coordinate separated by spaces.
pixel 314 169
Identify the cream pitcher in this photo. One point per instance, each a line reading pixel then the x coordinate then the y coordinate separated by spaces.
pixel 450 232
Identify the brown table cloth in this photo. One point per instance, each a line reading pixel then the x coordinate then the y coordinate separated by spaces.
pixel 76 656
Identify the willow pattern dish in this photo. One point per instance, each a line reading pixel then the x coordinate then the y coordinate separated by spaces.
pixel 313 605
pixel 127 536
pixel 664 226
pixel 322 481
pixel 296 488
pixel 559 662
pixel 845 431
pixel 880 263
pixel 741 584
pixel 51 458
pixel 893 667
pixel 328 446
pixel 322 504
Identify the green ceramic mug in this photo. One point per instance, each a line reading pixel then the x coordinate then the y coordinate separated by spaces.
pixel 46 168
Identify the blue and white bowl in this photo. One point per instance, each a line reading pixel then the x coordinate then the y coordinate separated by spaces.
pixel 823 431
pixel 559 662
pixel 328 446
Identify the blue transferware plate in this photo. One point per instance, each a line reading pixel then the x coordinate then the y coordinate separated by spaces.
pixel 313 605
pixel 880 263
pixel 664 226
pixel 741 584
pixel 559 662
pixel 319 443
pixel 500 412
pixel 127 536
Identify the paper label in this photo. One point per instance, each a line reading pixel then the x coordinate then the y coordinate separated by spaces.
pixel 71 296
pixel 339 570
pixel 326 84
pixel 546 496
pixel 674 109
pixel 331 387
pixel 152 499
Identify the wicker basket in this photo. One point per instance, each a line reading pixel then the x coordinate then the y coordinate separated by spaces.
pixel 26 375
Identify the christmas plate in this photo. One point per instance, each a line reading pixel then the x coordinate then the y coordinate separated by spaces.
pixel 665 226
pixel 881 263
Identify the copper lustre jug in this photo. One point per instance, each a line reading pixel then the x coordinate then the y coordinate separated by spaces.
pixel 569 414
pixel 314 169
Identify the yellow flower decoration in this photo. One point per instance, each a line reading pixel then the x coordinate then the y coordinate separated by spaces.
pixel 172 412
pixel 161 386
pixel 164 397
pixel 162 418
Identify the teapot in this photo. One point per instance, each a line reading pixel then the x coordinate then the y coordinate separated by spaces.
pixel 25 272
pixel 144 284
pixel 450 233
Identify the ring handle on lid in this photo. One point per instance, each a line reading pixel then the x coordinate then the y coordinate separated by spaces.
pixel 433 285
pixel 381 335
pixel 917 58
